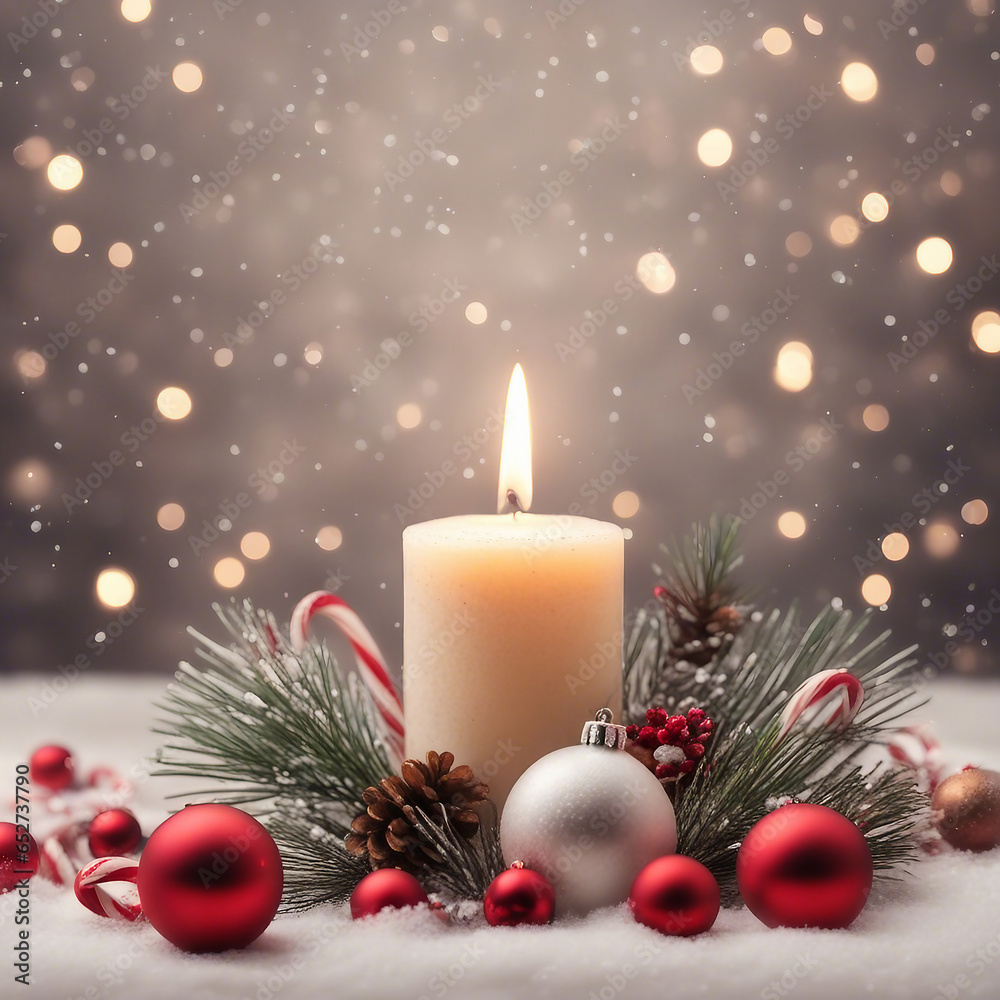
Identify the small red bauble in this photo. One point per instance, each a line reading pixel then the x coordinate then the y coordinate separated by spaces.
pixel 52 768
pixel 675 895
pixel 519 896
pixel 385 887
pixel 114 832
pixel 18 856
pixel 805 865
pixel 210 878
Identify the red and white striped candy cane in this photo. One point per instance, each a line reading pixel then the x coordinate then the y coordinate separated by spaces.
pixel 371 663
pixel 89 888
pixel 829 699
pixel 62 853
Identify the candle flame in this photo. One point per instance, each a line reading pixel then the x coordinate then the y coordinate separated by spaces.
pixel 515 452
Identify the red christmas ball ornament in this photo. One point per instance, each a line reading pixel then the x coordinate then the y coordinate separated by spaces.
pixel 113 832
pixel 19 857
pixel 675 895
pixel 805 865
pixel 210 878
pixel 386 887
pixel 519 896
pixel 52 768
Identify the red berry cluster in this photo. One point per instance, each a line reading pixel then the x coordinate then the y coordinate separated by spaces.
pixel 689 735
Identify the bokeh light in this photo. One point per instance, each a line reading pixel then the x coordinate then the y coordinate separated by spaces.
pixel 170 516
pixel 30 364
pixel 934 255
pixel 409 416
pixel 876 590
pixel 65 172
pixel 941 539
pixel 625 504
pixel 329 538
pixel 793 368
pixel 875 417
pixel 986 331
pixel 975 512
pixel 777 41
pixel 925 53
pixel 844 230
pixel 136 10
pixel 187 77
pixel 114 587
pixel 174 403
pixel 859 82
pixel 312 355
pixel 792 524
pixel 255 545
pixel 715 147
pixel 33 153
pixel 812 25
pixel 66 238
pixel 798 244
pixel 475 312
pixel 895 546
pixel 655 272
pixel 229 572
pixel 874 207
pixel 706 60
pixel 120 254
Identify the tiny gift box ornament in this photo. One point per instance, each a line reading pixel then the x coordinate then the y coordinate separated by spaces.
pixel 588 819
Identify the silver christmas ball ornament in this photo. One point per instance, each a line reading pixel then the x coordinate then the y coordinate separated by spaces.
pixel 588 818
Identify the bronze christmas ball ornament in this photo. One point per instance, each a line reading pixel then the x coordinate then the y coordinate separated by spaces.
pixel 966 809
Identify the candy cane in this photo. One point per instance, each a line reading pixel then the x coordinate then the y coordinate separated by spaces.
pixel 371 663
pixel 829 699
pixel 88 887
pixel 61 854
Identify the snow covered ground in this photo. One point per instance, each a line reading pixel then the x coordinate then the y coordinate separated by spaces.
pixel 935 935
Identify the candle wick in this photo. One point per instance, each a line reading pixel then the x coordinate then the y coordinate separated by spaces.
pixel 514 502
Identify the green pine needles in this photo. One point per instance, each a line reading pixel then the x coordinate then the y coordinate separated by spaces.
pixel 299 738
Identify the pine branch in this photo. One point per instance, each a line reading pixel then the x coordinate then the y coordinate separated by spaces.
pixel 744 685
pixel 466 867
pixel 291 733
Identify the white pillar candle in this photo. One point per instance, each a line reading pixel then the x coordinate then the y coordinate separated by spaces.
pixel 512 631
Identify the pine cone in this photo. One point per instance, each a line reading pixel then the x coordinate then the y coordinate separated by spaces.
pixel 387 830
